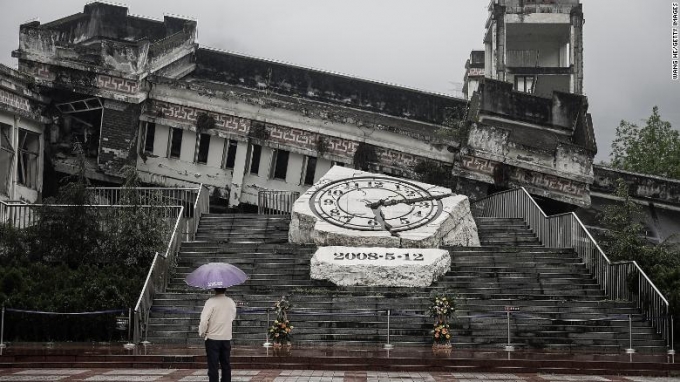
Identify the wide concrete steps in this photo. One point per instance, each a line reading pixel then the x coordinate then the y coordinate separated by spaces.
pixel 243 229
pixel 561 306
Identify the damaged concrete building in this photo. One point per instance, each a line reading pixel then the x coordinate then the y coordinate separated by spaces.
pixel 141 92
pixel 138 91
pixel 22 144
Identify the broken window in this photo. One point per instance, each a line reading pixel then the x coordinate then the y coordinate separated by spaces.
pixel 255 159
pixel 203 147
pixel 29 152
pixel 310 169
pixel 175 143
pixel 150 136
pixel 81 122
pixel 524 84
pixel 6 158
pixel 280 165
pixel 230 153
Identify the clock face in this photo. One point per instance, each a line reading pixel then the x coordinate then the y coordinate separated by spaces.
pixel 345 203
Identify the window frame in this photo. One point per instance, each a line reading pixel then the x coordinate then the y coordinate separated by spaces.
pixel 254 148
pixel 149 127
pixel 229 154
pixel 203 151
pixel 524 83
pixel 28 169
pixel 306 174
pixel 8 150
pixel 275 169
pixel 171 142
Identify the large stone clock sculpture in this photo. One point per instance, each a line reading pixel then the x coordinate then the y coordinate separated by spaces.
pixel 355 208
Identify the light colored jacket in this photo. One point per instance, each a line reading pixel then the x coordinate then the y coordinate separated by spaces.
pixel 216 319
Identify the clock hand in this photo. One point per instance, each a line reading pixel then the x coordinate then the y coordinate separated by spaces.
pixel 380 218
pixel 391 202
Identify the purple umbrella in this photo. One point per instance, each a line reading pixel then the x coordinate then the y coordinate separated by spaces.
pixel 216 275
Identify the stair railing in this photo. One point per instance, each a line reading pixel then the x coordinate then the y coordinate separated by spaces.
pixel 275 202
pixel 157 279
pixel 623 280
pixel 195 200
pixel 163 264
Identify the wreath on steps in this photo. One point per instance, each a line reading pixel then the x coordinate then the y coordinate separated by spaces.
pixel 280 330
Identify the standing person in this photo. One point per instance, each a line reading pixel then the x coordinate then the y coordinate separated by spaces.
pixel 216 319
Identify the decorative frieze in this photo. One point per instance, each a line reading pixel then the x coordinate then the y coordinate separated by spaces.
pixel 102 81
pixel 14 100
pixel 190 114
pixel 525 177
pixel 117 84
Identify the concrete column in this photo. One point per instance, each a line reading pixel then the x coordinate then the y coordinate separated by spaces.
pixel 500 37
pixel 576 51
pixel 14 174
pixel 240 167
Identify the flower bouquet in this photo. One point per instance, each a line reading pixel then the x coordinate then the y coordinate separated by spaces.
pixel 280 331
pixel 441 333
pixel 442 307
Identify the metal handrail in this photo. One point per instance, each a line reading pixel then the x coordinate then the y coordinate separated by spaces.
pixel 617 280
pixel 201 206
pixel 26 215
pixel 276 202
pixel 166 195
pixel 156 280
pixel 162 266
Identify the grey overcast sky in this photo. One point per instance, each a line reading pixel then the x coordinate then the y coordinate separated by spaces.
pixel 419 44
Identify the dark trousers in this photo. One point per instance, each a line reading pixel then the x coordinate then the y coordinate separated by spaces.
pixel 218 353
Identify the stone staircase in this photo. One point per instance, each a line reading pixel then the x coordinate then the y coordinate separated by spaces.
pixel 560 305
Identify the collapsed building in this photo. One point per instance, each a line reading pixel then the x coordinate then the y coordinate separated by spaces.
pixel 141 92
pixel 138 91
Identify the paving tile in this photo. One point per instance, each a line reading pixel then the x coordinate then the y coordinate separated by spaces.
pixel 570 378
pixel 372 376
pixel 204 378
pixel 51 372
pixel 236 376
pixel 33 377
pixel 140 372
pixel 124 378
pixel 486 377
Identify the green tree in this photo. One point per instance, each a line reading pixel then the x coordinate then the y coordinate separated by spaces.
pixel 624 241
pixel 76 259
pixel 652 149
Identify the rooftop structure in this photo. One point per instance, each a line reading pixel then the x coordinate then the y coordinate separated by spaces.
pixel 537 45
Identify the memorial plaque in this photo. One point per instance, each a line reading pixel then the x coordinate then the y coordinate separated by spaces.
pixel 371 266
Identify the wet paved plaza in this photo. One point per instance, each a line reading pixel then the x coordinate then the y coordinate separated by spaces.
pixel 112 362
pixel 193 375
